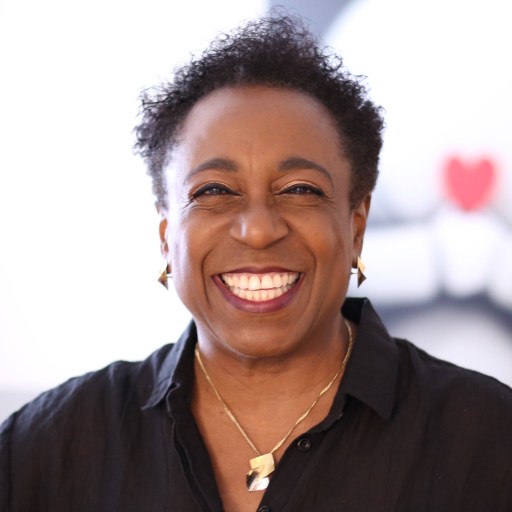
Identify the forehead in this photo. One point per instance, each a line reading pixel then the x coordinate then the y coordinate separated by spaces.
pixel 259 116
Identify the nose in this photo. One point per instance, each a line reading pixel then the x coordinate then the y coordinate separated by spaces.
pixel 259 225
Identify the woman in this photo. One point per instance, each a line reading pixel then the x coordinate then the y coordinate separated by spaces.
pixel 282 394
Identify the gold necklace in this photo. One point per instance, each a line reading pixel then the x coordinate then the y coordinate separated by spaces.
pixel 262 466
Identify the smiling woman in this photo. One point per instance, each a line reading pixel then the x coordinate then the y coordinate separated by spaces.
pixel 282 394
pixel 264 170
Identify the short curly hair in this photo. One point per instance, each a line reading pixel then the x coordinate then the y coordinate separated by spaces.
pixel 275 51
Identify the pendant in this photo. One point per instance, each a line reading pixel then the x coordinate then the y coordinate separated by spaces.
pixel 261 468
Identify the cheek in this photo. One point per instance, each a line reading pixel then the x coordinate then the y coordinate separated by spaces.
pixel 183 251
pixel 186 269
pixel 189 245
pixel 329 232
pixel 334 252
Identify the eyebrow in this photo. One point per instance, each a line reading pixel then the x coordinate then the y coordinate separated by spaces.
pixel 297 162
pixel 290 164
pixel 221 164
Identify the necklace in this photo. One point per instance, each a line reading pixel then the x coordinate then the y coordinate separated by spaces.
pixel 263 465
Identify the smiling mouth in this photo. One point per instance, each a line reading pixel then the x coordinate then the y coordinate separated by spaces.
pixel 259 287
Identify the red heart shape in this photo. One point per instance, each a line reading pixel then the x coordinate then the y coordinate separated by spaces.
pixel 470 185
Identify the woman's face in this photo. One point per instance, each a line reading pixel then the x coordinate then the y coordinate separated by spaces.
pixel 259 232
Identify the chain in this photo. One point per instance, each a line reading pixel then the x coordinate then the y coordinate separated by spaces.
pixel 232 417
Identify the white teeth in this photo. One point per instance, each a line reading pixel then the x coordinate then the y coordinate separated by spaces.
pixel 260 287
pixel 244 281
pixel 254 283
pixel 267 282
pixel 278 282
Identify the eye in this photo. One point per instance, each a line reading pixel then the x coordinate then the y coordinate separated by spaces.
pixel 303 188
pixel 212 189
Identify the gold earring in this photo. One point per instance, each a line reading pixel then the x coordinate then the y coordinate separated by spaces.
pixel 165 276
pixel 359 267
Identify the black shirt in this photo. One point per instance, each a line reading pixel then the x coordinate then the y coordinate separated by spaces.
pixel 406 432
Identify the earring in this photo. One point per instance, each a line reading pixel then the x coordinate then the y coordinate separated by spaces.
pixel 165 276
pixel 359 269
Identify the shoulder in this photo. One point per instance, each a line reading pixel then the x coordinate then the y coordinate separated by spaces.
pixel 59 445
pixel 94 399
pixel 444 373
pixel 455 394
pixel 459 423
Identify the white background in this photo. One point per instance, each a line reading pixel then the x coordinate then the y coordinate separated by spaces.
pixel 79 251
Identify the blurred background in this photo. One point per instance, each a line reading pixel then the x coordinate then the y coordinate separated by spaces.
pixel 79 252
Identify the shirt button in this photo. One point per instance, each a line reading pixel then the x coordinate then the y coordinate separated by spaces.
pixel 304 444
pixel 264 508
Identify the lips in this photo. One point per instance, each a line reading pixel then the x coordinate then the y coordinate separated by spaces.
pixel 263 290
pixel 259 287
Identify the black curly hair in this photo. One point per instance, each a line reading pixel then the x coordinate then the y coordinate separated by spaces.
pixel 275 51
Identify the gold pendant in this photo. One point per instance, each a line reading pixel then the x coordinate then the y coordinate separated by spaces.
pixel 261 468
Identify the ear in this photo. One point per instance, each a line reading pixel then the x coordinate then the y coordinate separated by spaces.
pixel 359 219
pixel 162 229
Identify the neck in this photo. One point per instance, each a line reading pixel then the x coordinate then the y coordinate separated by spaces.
pixel 261 383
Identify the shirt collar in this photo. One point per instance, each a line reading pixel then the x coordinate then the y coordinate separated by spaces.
pixel 173 371
pixel 370 375
pixel 371 372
